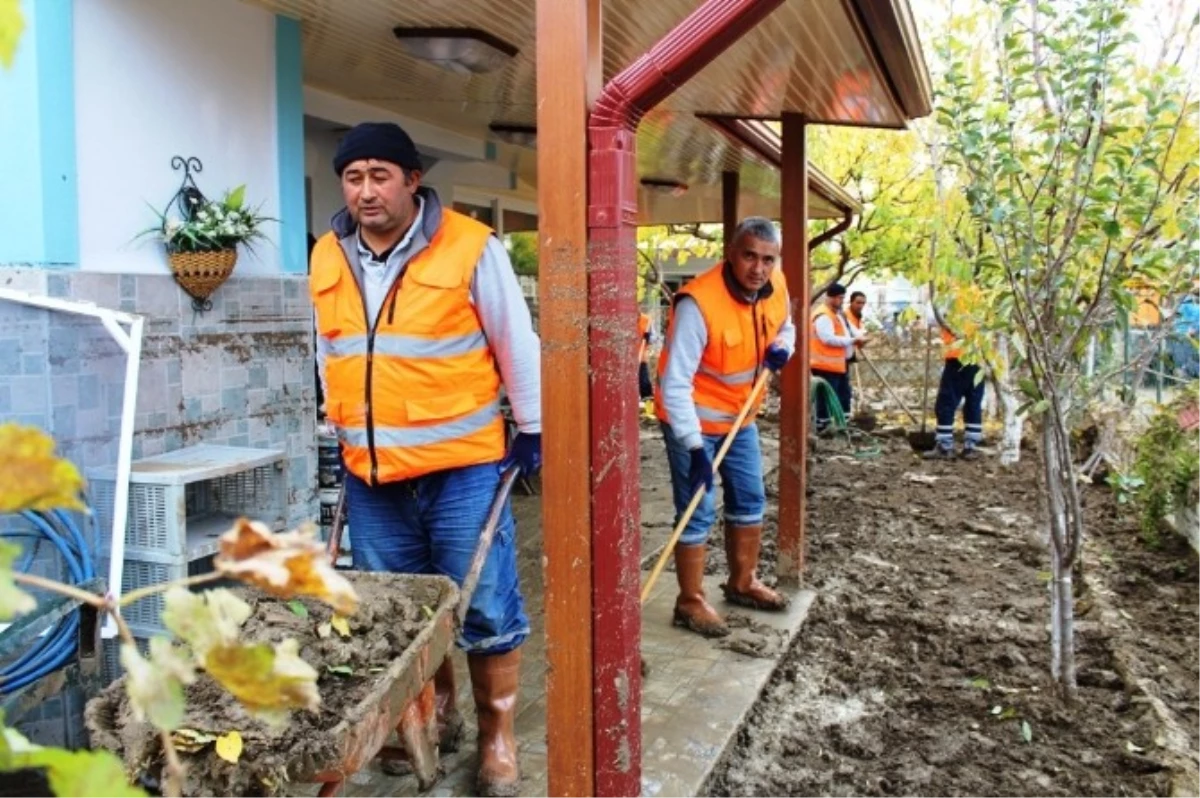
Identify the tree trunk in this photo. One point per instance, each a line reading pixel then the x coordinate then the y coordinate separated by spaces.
pixel 1058 467
pixel 1013 423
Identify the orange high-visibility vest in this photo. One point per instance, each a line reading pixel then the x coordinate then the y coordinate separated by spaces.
pixel 821 355
pixel 643 328
pixel 950 351
pixel 738 337
pixel 419 393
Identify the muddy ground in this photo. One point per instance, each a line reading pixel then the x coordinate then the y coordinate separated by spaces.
pixel 349 670
pixel 922 667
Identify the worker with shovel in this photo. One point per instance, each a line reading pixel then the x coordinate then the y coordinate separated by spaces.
pixel 725 328
pixel 420 320
pixel 830 343
pixel 960 384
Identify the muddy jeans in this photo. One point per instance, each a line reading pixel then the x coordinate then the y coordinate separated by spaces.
pixel 430 525
pixel 741 478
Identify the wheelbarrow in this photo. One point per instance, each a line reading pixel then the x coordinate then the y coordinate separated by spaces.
pixel 403 699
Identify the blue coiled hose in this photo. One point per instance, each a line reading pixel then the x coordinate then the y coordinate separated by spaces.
pixel 54 649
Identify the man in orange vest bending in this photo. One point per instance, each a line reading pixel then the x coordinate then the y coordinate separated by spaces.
pixel 725 327
pixel 420 319
pixel 960 384
pixel 830 343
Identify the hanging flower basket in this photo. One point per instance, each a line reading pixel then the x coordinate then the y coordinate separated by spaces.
pixel 201 241
pixel 201 273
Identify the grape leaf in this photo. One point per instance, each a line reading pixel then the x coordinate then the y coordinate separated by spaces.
pixel 204 620
pixel 155 685
pixel 31 476
pixel 13 600
pixel 285 565
pixel 267 681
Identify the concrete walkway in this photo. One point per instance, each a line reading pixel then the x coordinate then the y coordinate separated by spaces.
pixel 694 698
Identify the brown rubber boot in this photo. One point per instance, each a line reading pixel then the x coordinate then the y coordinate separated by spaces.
pixel 494 680
pixel 691 610
pixel 449 720
pixel 742 546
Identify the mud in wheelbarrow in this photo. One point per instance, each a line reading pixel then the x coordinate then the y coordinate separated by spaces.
pixel 376 681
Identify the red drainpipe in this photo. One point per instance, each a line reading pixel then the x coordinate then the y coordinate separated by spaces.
pixel 612 341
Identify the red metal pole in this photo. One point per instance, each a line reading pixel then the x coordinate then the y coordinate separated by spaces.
pixel 612 241
pixel 794 380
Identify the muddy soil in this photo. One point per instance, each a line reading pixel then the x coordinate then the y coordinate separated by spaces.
pixel 390 616
pixel 922 667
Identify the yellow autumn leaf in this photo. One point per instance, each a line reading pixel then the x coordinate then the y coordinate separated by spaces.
pixel 267 681
pixel 31 476
pixel 11 26
pixel 341 625
pixel 229 747
pixel 288 564
pixel 13 600
pixel 155 684
pixel 204 620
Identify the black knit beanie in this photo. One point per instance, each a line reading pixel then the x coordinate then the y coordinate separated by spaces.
pixel 383 141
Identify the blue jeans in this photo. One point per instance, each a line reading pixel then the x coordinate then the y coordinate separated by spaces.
pixel 741 477
pixel 430 525
pixel 958 386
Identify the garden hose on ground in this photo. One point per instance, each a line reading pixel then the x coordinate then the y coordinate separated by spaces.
pixel 866 446
pixel 55 648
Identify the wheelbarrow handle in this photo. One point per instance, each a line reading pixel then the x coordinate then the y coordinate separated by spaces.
pixel 507 479
pixel 334 544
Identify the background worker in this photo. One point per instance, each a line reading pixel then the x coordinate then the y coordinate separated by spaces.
pixel 725 327
pixel 829 344
pixel 645 336
pixel 856 327
pixel 960 384
pixel 420 320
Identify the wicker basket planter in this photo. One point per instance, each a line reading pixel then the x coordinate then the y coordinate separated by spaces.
pixel 201 273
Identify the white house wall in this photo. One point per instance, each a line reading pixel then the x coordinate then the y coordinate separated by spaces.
pixel 159 78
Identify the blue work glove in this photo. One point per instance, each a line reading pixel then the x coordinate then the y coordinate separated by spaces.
pixel 776 357
pixel 701 471
pixel 526 452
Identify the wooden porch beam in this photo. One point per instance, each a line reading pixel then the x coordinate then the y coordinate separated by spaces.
pixel 794 382
pixel 565 38
pixel 730 186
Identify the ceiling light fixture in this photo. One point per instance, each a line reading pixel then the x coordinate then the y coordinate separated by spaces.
pixel 519 135
pixel 674 188
pixel 467 51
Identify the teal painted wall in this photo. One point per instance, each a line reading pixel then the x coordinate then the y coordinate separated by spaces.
pixel 39 192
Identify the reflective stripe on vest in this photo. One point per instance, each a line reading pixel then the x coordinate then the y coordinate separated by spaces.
pixel 821 355
pixel 738 335
pixel 419 393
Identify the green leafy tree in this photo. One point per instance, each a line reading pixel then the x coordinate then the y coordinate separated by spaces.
pixel 1067 150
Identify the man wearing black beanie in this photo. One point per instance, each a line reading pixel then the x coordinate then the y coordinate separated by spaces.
pixel 420 322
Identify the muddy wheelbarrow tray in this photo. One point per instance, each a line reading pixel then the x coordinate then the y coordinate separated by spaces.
pixel 401 700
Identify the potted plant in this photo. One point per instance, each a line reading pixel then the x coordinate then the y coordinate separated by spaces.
pixel 202 240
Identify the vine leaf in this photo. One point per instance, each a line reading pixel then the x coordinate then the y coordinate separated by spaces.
pixel 31 476
pixel 268 681
pixel 13 600
pixel 285 565
pixel 155 684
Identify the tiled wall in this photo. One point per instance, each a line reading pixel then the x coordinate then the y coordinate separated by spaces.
pixel 240 374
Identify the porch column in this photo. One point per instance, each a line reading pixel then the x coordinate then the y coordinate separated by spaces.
pixel 563 82
pixel 729 204
pixel 794 382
